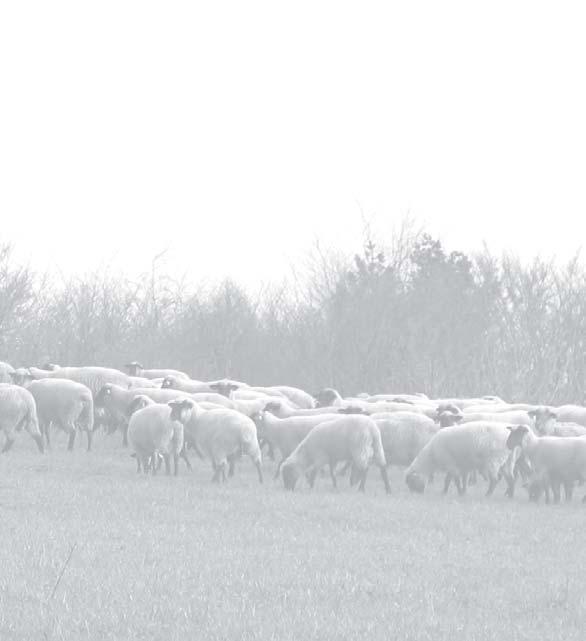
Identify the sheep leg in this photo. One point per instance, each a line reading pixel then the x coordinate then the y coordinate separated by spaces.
pixel 167 459
pixel 491 485
pixel 464 483
pixel 332 467
pixel 124 434
pixel 278 469
pixel 556 489
pixel 184 456
pixel 259 470
pixel 311 476
pixel 47 434
pixel 8 444
pixel 448 482
pixel 385 477
pixel 71 441
pixel 175 464
pixel 231 463
pixel 362 480
pixel 569 490
pixel 345 469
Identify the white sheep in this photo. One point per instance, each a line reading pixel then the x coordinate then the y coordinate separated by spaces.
pixel 285 434
pixel 547 424
pixel 221 435
pixel 152 432
pixel 186 385
pixel 553 460
pixel 461 449
pixel 18 411
pixel 571 414
pixel 67 405
pixel 297 396
pixel 354 438
pixel 404 435
pixel 136 369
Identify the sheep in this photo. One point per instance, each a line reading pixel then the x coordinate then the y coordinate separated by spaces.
pixel 220 434
pixel 328 397
pixel 299 397
pixel 553 459
pixel 546 424
pixel 512 418
pixel 353 438
pixel 152 432
pixel 93 377
pixel 571 414
pixel 117 400
pixel 190 386
pixel 5 370
pixel 17 411
pixel 463 403
pixel 404 435
pixel 285 434
pixel 226 386
pixel 414 399
pixel 140 381
pixel 66 404
pixel 136 369
pixel 461 449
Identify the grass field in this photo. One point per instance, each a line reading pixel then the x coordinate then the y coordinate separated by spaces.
pixel 180 558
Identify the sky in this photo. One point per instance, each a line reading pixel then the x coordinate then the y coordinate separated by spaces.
pixel 234 135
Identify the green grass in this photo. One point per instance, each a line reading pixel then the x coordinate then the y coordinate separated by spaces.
pixel 180 558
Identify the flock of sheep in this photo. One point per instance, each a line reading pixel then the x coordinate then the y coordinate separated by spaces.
pixel 163 414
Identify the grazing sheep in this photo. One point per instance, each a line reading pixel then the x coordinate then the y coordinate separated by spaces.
pixel 136 369
pixel 461 449
pixel 553 460
pixel 65 404
pixel 546 424
pixel 219 434
pixel 285 434
pixel 354 438
pixel 18 411
pixel 152 432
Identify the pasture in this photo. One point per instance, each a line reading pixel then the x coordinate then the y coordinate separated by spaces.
pixel 180 558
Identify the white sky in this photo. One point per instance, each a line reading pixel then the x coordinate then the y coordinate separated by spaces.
pixel 235 133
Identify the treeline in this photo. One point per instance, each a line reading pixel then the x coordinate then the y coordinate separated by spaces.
pixel 403 317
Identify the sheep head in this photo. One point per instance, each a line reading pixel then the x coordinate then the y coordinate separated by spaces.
pixel 181 409
pixel 415 482
pixel 168 382
pixel 517 435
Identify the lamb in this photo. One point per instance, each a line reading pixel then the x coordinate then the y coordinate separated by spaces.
pixel 461 449
pixel 219 434
pixel 136 369
pixel 546 424
pixel 353 438
pixel 66 404
pixel 553 459
pixel 152 432
pixel 18 411
pixel 285 434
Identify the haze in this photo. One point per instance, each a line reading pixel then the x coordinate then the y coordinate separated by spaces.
pixel 234 134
